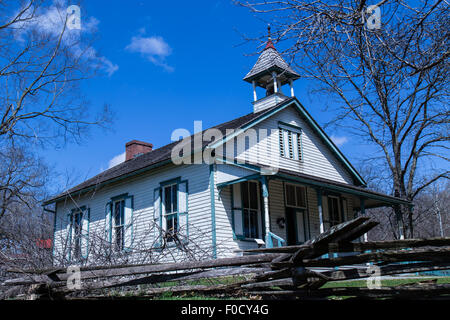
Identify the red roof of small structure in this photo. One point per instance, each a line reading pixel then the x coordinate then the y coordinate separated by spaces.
pixel 44 243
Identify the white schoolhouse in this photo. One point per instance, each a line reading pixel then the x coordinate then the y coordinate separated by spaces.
pixel 272 177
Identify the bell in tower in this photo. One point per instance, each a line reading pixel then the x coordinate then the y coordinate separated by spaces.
pixel 270 72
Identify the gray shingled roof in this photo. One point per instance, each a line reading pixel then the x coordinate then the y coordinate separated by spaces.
pixel 157 156
pixel 270 60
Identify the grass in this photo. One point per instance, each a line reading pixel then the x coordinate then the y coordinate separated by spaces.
pixel 229 280
pixel 140 293
pixel 384 282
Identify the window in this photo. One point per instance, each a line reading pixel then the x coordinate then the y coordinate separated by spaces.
pixel 250 209
pixel 290 143
pixel 334 211
pixel 77 226
pixel 171 210
pixel 119 224
pixel 170 213
pixel 78 234
pixel 295 196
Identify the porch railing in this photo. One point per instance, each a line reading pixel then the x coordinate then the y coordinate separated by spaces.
pixel 269 240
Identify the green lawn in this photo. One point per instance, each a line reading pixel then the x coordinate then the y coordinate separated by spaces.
pixel 384 283
pixel 228 280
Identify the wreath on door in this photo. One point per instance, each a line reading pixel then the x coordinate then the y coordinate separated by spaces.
pixel 281 222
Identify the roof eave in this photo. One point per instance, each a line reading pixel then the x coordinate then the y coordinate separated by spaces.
pixel 101 184
pixel 250 77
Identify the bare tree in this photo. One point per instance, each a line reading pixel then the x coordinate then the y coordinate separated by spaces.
pixel 25 239
pixel 43 60
pixel 150 243
pixel 431 211
pixel 388 82
pixel 42 63
pixel 23 177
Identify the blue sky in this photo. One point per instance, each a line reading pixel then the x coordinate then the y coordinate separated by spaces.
pixel 170 64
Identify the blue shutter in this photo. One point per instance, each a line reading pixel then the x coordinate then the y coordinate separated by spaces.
pixel 68 247
pixel 108 222
pixel 85 233
pixel 183 228
pixel 128 215
pixel 157 217
pixel 237 213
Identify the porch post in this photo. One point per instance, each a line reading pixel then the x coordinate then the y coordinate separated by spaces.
pixel 275 84
pixel 319 208
pixel 363 213
pixel 265 193
pixel 255 97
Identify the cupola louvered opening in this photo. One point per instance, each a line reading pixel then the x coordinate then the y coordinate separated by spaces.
pixel 290 144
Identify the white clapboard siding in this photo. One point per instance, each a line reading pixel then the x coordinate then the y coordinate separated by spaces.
pixel 142 187
pixel 226 245
pixel 276 207
pixel 317 161
pixel 225 173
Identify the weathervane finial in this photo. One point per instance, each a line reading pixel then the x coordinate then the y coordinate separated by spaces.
pixel 269 43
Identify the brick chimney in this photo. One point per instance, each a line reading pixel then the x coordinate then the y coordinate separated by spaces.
pixel 135 148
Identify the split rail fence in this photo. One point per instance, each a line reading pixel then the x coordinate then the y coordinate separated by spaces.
pixel 273 273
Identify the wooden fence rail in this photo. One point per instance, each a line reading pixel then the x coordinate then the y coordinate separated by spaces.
pixel 284 272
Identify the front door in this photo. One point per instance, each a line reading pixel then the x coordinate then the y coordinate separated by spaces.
pixel 297 226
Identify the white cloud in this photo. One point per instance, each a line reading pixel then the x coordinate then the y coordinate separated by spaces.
pixel 155 49
pixel 150 46
pixel 116 160
pixel 49 20
pixel 339 141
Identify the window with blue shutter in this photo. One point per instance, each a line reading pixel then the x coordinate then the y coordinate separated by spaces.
pixel 119 222
pixel 171 212
pixel 245 210
pixel 78 234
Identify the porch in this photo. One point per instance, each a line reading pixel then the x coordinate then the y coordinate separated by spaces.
pixel 288 208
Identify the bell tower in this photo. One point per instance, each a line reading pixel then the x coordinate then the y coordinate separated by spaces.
pixel 270 72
